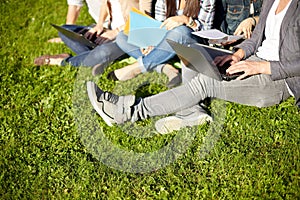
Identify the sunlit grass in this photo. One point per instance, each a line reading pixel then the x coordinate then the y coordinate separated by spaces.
pixel 43 156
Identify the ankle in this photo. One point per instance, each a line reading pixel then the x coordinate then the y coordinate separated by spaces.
pixel 128 72
pixel 136 71
pixel 123 76
pixel 170 71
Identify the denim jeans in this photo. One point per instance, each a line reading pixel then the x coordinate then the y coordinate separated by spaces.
pixel 161 53
pixel 235 11
pixel 257 90
pixel 85 56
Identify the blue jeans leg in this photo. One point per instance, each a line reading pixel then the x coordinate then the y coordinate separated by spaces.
pixel 162 53
pixel 102 54
pixel 131 50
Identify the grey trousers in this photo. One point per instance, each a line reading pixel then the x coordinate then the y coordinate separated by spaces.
pixel 258 90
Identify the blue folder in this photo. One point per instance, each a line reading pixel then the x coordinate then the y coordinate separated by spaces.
pixel 145 31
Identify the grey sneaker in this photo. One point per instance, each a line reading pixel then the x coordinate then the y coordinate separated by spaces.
pixel 172 123
pixel 112 108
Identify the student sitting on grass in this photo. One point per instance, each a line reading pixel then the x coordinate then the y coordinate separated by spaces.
pixel 74 8
pixel 106 50
pixel 237 17
pixel 180 18
pixel 269 60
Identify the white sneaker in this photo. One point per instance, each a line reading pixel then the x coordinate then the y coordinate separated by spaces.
pixel 172 123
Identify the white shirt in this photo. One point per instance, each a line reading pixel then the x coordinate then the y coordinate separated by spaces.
pixel 117 14
pixel 269 50
pixel 94 10
pixel 93 7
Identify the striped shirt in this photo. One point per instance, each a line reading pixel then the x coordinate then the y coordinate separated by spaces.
pixel 205 17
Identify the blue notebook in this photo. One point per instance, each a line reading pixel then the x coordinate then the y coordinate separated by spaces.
pixel 145 31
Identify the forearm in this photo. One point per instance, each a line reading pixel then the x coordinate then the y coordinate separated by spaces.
pixel 240 53
pixel 73 13
pixel 250 45
pixel 103 14
pixel 145 6
pixel 205 17
pixel 183 19
pixel 189 22
pixel 175 21
pixel 252 20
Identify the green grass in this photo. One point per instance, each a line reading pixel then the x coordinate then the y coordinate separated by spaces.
pixel 43 153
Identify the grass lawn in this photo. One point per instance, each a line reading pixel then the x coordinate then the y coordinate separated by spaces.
pixel 52 144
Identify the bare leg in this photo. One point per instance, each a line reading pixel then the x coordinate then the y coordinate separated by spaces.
pixel 170 71
pixel 128 72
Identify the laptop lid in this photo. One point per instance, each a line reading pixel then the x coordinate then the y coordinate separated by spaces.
pixel 75 36
pixel 200 58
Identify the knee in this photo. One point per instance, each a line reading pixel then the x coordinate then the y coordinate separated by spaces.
pixel 179 33
pixel 267 102
pixel 96 57
pixel 198 83
pixel 121 39
pixel 180 30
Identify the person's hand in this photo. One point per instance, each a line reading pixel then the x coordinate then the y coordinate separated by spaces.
pixel 232 59
pixel 221 60
pixel 227 42
pixel 245 28
pixel 249 68
pixel 95 30
pixel 173 22
pixel 107 36
pixel 147 50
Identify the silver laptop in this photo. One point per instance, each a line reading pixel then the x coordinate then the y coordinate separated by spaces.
pixel 199 58
pixel 79 37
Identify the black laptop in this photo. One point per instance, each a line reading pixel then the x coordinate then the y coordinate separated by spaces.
pixel 76 36
pixel 199 58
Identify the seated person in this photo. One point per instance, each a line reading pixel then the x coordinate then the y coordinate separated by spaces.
pixel 269 60
pixel 237 17
pixel 106 51
pixel 74 8
pixel 180 18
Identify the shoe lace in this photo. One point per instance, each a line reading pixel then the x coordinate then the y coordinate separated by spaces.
pixel 108 96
